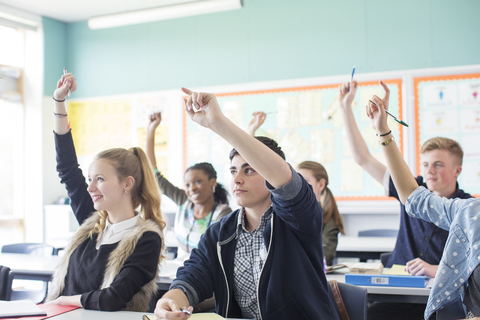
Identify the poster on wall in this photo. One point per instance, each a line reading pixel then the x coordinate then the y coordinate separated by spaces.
pixel 449 106
pixel 307 124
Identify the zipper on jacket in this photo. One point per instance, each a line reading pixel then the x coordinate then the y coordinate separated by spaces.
pixel 219 254
pixel 261 271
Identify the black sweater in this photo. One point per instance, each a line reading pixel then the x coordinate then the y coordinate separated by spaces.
pixel 87 264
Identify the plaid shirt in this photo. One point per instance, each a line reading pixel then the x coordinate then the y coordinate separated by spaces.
pixel 250 254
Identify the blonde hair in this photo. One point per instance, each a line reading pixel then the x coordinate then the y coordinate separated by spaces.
pixel 327 200
pixel 145 191
pixel 452 146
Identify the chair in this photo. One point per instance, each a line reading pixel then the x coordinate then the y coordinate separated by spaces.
pixel 354 298
pixel 378 233
pixel 384 257
pixel 453 310
pixel 41 249
pixel 6 279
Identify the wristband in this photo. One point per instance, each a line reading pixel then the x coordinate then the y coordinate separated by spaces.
pixel 58 100
pixel 385 134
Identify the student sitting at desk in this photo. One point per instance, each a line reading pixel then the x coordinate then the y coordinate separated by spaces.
pixel 317 177
pixel 112 261
pixel 419 244
pixel 459 270
pixel 262 261
pixel 203 202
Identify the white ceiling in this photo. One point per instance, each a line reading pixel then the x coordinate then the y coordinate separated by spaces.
pixel 80 10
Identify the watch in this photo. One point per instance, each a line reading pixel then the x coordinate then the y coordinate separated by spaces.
pixel 386 142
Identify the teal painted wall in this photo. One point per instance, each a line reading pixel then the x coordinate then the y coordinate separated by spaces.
pixel 272 40
pixel 55 44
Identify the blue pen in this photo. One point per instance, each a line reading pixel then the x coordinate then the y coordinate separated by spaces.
pixel 351 79
pixel 65 72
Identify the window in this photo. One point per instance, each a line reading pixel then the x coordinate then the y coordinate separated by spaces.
pixel 11 131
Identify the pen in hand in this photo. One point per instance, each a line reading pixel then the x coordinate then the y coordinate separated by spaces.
pixel 351 79
pixel 65 72
pixel 186 311
pixel 391 115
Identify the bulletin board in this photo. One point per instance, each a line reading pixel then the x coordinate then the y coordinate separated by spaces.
pixel 449 106
pixel 307 124
pixel 106 123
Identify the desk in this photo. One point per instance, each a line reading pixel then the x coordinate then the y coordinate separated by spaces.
pixel 82 314
pixel 30 267
pixel 390 294
pixel 364 247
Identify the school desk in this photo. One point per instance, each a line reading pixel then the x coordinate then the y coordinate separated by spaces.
pixel 364 247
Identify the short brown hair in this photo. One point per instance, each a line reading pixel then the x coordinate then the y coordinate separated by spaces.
pixel 442 143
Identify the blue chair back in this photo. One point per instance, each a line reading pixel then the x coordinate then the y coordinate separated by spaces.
pixel 354 298
pixel 453 310
pixel 39 249
pixel 6 279
pixel 378 233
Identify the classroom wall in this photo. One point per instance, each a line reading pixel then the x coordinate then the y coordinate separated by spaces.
pixel 55 42
pixel 268 40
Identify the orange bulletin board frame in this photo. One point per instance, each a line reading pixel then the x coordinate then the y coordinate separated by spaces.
pixel 397 82
pixel 416 83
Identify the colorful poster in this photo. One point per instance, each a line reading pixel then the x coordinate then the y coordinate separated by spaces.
pixel 307 124
pixel 449 106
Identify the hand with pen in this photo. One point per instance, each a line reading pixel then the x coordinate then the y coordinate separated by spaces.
pixel 66 82
pixel 258 118
pixel 347 93
pixel 376 112
pixel 168 308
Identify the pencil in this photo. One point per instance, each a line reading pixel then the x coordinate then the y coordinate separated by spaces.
pixel 65 72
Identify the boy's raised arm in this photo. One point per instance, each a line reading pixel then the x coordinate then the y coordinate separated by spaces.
pixel 265 161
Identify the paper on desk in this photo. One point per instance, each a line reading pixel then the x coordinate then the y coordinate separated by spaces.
pixel 398 270
pixel 205 316
pixel 20 308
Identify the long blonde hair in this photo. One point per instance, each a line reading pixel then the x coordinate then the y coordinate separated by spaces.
pixel 145 191
pixel 327 200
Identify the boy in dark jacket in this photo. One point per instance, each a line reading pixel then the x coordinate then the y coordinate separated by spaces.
pixel 265 260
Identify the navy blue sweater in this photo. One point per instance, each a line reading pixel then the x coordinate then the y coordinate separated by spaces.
pixel 292 284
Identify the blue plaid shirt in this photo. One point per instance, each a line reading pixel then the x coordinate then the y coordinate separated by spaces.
pixel 250 254
pixel 462 250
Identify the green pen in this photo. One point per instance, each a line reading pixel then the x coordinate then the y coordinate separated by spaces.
pixel 391 115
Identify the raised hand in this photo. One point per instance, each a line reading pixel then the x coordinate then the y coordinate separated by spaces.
pixel 258 118
pixel 376 112
pixel 203 108
pixel 67 81
pixel 154 121
pixel 346 96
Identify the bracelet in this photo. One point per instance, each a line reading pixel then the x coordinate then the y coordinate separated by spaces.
pixel 386 142
pixel 58 100
pixel 383 135
pixel 60 114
